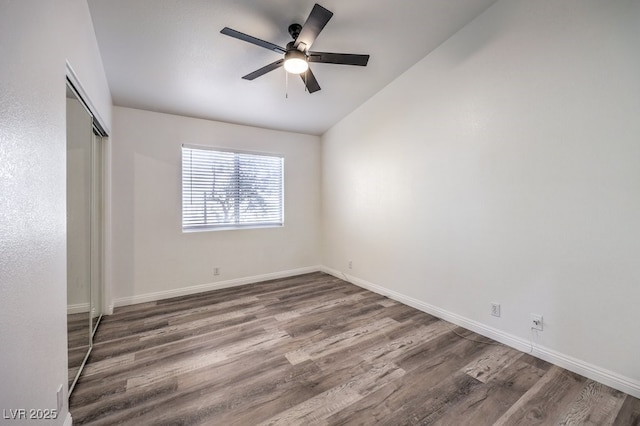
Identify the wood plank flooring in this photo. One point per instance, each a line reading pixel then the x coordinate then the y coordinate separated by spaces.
pixel 78 339
pixel 314 349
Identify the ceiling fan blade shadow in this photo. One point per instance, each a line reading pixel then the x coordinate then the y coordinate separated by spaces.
pixel 253 40
pixel 262 71
pixel 339 58
pixel 310 81
pixel 316 21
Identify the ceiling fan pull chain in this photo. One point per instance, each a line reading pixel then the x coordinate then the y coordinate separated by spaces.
pixel 286 85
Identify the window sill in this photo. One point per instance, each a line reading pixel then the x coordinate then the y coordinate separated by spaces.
pixel 228 228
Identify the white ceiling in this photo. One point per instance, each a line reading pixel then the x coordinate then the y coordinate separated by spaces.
pixel 169 56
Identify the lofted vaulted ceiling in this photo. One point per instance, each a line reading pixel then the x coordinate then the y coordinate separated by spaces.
pixel 169 56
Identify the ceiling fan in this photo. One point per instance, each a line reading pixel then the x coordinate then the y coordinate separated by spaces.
pixel 297 54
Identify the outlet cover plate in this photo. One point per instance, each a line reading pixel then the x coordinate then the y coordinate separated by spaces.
pixel 536 322
pixel 495 309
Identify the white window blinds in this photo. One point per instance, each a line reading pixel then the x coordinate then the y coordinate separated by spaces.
pixel 222 189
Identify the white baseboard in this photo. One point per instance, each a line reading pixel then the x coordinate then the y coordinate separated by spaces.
pixel 606 377
pixel 78 308
pixel 152 297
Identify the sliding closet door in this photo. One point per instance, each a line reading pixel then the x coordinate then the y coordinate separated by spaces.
pixel 85 230
pixel 79 224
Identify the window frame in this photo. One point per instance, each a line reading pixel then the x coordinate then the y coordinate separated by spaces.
pixel 236 225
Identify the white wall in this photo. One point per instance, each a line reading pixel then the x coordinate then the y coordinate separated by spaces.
pixel 505 167
pixel 152 257
pixel 36 38
pixel 83 54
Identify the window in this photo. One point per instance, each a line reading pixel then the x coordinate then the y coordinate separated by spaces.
pixel 224 189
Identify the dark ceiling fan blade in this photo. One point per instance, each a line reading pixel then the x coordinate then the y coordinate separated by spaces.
pixel 316 21
pixel 250 39
pixel 262 71
pixel 339 58
pixel 310 81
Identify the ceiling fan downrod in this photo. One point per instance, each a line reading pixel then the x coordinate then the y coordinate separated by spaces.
pixel 294 30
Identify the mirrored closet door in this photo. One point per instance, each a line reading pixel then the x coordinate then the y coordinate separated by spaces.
pixel 84 231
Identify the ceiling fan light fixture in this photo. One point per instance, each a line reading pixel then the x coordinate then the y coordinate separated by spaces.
pixel 295 62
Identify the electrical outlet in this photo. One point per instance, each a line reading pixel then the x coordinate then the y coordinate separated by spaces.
pixel 216 271
pixel 536 322
pixel 351 264
pixel 495 309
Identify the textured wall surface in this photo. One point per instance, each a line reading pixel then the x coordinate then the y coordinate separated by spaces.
pixel 34 48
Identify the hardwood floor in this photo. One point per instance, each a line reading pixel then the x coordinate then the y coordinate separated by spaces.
pixel 314 349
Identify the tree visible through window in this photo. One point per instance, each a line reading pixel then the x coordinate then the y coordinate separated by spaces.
pixel 224 189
